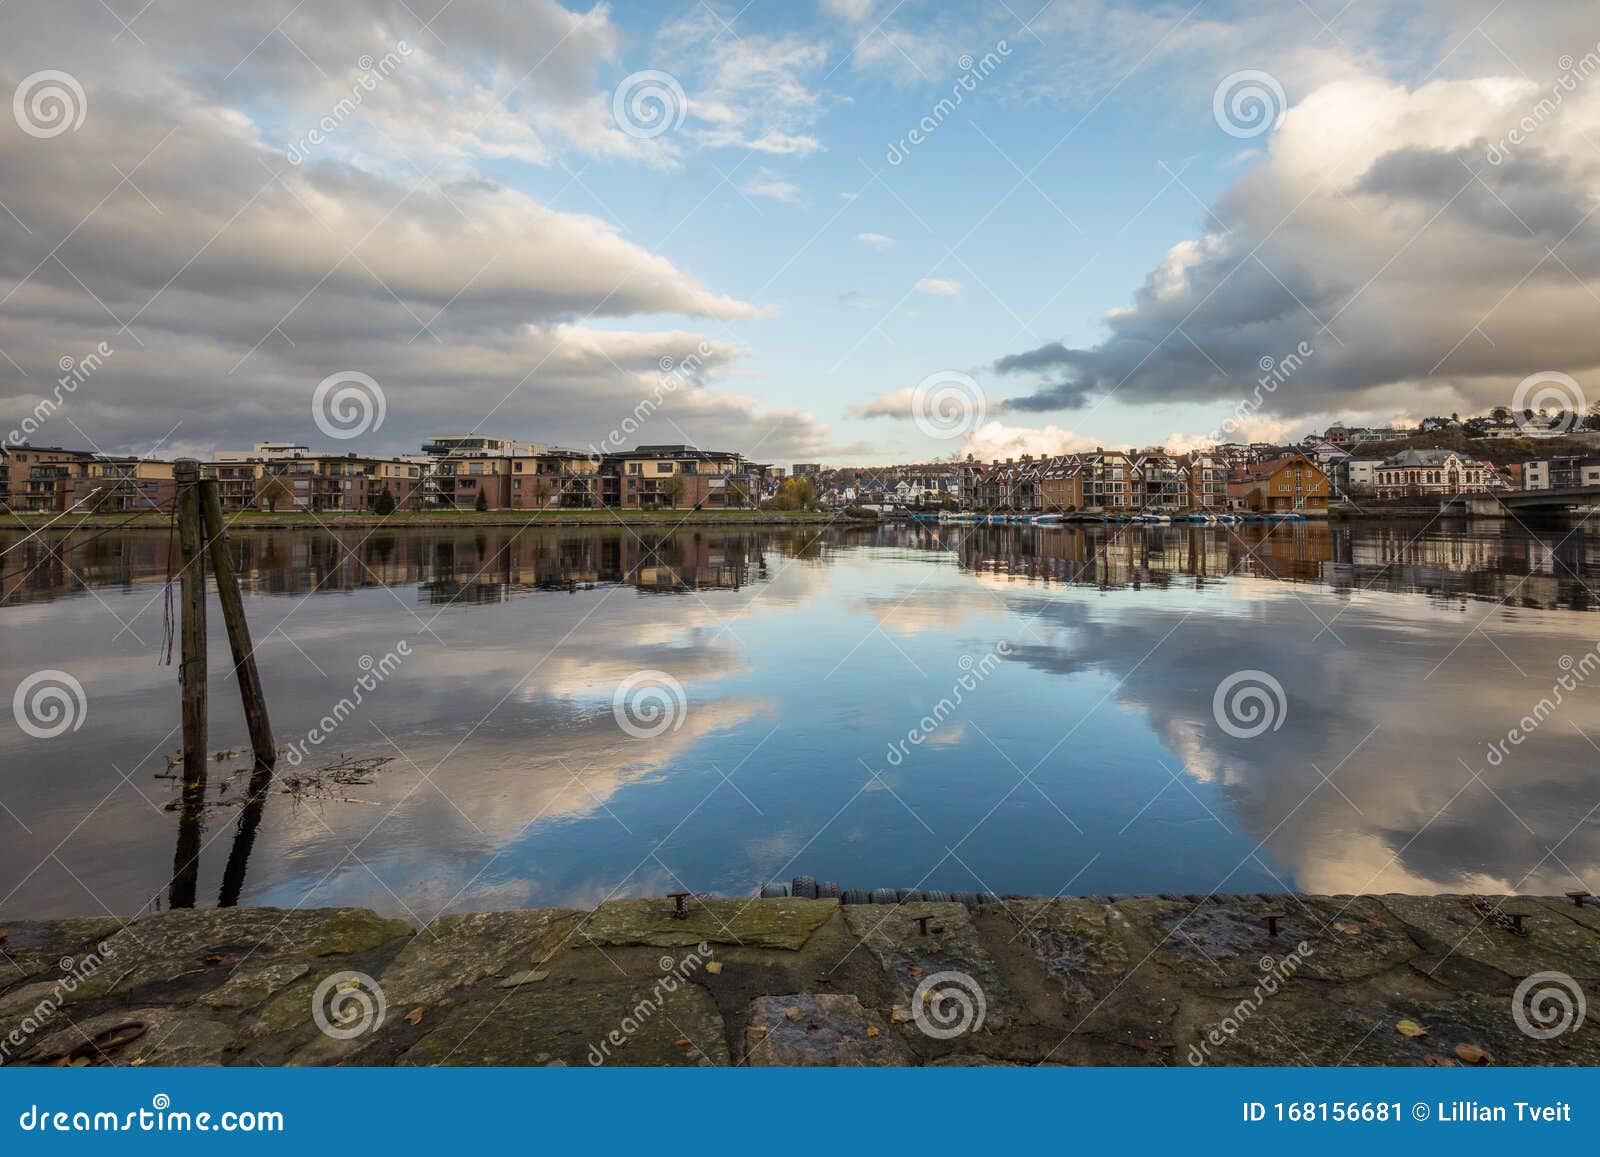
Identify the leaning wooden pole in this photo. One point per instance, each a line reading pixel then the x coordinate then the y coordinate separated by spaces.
pixel 192 630
pixel 244 655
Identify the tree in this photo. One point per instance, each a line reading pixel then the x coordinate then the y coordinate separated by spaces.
pixel 674 488
pixel 482 502
pixel 740 492
pixel 794 494
pixel 542 489
pixel 274 489
pixel 385 502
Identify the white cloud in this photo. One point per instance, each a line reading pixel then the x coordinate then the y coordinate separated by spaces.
pixel 939 287
pixel 875 240
pixel 766 183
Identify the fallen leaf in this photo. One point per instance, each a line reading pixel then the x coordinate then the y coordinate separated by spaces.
pixel 80 1062
pixel 872 1030
pixel 1410 1028
pixel 900 1014
pixel 1439 1061
pixel 414 1016
pixel 683 1042
pixel 846 1039
pixel 5 934
pixel 1474 1054
pixel 714 967
pixel 213 959
pixel 914 971
pixel 136 1062
pixel 1347 928
pixel 793 1013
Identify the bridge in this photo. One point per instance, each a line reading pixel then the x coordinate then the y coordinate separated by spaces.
pixel 1497 504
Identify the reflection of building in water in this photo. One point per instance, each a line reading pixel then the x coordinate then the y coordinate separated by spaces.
pixel 448 567
pixel 1540 569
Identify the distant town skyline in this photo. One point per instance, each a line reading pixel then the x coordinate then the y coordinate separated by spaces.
pixel 840 232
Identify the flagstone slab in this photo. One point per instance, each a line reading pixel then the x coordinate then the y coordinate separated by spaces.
pixel 456 951
pixel 1229 944
pixel 615 1023
pixel 1451 929
pixel 781 923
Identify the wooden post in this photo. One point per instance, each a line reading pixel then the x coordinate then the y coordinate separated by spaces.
pixel 244 656
pixel 192 631
pixel 192 681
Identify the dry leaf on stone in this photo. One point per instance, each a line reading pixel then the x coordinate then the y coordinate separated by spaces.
pixel 1440 1061
pixel 714 967
pixel 414 1016
pixel 1474 1054
pixel 1410 1028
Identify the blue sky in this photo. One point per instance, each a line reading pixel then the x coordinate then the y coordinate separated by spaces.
pixel 1096 245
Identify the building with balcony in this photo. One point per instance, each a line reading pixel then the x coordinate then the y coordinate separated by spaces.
pixel 39 478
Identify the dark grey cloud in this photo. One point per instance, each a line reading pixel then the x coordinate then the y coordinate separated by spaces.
pixel 1424 268
pixel 175 225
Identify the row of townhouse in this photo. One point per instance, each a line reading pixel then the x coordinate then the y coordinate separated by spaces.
pixel 1109 481
pixel 454 471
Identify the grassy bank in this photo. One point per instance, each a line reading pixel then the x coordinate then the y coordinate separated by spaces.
pixel 411 519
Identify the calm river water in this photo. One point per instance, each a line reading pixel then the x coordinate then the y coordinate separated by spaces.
pixel 1012 710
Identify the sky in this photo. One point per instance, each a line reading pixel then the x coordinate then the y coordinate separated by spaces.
pixel 855 231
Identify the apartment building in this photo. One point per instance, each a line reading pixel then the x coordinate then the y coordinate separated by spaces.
pixel 1561 473
pixel 39 478
pixel 555 479
pixel 128 484
pixel 678 477
pixel 1207 479
pixel 459 478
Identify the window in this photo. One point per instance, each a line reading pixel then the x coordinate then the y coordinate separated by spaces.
pixel 663 467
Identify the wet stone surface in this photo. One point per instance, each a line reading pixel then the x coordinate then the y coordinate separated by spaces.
pixel 750 923
pixel 1382 980
pixel 918 943
pixel 818 1029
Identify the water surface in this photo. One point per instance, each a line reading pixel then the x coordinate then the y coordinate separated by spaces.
pixel 1004 709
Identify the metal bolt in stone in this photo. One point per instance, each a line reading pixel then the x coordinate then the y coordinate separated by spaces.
pixel 1579 897
pixel 1516 922
pixel 679 912
pixel 1272 922
pixel 922 925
